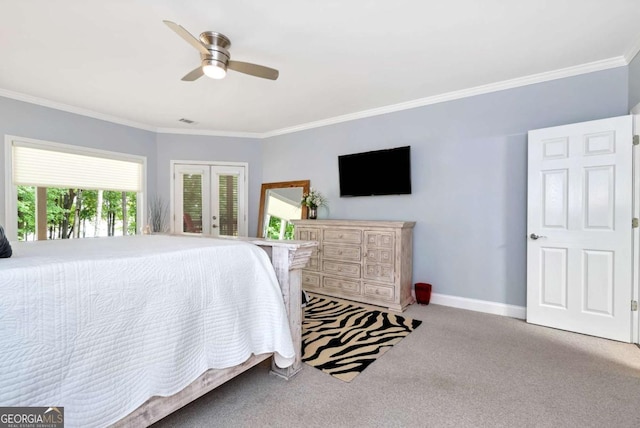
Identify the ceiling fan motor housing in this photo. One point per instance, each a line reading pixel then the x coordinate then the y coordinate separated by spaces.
pixel 217 44
pixel 215 39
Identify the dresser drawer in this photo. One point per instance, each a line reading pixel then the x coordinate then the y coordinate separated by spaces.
pixel 379 255
pixel 342 253
pixel 310 280
pixel 344 285
pixel 314 262
pixel 378 272
pixel 307 234
pixel 345 236
pixel 379 239
pixel 342 269
pixel 379 292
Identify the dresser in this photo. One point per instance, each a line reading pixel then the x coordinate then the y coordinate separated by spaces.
pixel 365 261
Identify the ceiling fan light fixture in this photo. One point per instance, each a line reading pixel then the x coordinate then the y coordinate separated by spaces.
pixel 214 54
pixel 214 69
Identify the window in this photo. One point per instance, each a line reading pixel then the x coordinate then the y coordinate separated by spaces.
pixel 60 191
pixel 76 213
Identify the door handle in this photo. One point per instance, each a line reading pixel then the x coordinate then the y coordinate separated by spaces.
pixel 535 237
pixel 214 226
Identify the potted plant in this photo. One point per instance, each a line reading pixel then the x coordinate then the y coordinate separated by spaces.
pixel 313 200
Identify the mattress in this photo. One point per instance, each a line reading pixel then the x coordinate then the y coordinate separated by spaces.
pixel 100 325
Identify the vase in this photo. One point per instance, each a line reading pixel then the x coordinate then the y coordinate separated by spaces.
pixel 313 213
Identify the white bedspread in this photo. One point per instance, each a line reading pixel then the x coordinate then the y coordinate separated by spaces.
pixel 101 325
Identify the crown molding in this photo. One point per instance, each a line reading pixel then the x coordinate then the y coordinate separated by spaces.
pixel 120 121
pixel 209 133
pixel 449 96
pixel 464 93
pixel 73 109
pixel 633 51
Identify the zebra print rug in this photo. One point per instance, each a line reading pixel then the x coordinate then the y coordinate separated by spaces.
pixel 342 339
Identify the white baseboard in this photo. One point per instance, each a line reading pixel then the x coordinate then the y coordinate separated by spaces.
pixel 480 305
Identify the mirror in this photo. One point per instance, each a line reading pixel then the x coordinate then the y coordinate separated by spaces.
pixel 280 203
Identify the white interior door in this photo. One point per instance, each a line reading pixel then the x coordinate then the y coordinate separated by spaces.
pixel 209 199
pixel 579 226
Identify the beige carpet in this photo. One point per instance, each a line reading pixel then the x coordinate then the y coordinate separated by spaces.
pixel 458 369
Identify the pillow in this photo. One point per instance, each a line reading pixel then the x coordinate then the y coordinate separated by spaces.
pixel 5 247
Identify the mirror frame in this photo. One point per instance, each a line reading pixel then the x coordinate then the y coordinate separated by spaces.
pixel 305 184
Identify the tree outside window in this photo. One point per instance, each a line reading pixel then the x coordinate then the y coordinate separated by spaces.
pixel 274 228
pixel 78 213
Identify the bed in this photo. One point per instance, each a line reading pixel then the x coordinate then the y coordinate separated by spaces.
pixel 123 331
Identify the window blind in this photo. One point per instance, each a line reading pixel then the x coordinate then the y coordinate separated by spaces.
pixel 228 208
pixel 50 168
pixel 192 202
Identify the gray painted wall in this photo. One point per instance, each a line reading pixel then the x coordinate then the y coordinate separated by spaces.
pixel 634 82
pixel 469 163
pixel 32 121
pixel 468 168
pixel 207 148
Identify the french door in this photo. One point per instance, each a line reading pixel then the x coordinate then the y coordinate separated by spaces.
pixel 579 228
pixel 209 199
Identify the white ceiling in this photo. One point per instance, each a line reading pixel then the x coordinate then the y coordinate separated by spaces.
pixel 337 59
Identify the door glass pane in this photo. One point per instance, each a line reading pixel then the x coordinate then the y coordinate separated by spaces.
pixel 228 205
pixel 192 203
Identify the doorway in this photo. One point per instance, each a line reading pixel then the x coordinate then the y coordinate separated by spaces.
pixel 209 198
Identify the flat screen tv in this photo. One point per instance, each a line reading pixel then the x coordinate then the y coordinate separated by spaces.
pixel 379 172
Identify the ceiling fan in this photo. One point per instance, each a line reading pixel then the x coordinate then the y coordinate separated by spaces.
pixel 213 48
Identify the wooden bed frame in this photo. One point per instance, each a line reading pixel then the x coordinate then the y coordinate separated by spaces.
pixel 288 258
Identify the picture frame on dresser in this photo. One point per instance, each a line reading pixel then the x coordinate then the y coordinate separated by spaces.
pixel 365 261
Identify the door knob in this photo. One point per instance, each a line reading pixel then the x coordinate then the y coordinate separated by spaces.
pixel 534 236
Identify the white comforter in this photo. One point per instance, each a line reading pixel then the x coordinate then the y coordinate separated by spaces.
pixel 101 325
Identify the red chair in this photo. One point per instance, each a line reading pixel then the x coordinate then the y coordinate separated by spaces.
pixel 188 225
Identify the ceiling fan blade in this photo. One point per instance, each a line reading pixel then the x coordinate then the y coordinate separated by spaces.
pixel 254 69
pixel 194 74
pixel 180 31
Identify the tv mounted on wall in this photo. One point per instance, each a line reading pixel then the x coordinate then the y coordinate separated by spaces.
pixel 379 172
